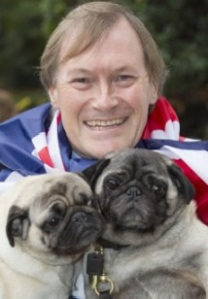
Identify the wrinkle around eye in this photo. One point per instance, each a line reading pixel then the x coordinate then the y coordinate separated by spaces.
pixel 81 83
pixel 124 80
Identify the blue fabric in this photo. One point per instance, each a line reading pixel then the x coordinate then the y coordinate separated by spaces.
pixel 16 144
pixel 77 163
pixel 15 141
pixel 154 144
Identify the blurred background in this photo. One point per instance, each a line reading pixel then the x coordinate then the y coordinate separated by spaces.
pixel 180 28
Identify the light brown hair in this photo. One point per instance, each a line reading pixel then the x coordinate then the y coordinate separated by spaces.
pixel 87 24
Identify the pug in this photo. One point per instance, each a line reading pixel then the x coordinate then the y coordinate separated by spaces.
pixel 46 225
pixel 153 244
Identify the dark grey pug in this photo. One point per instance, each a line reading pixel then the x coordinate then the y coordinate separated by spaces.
pixel 46 225
pixel 154 245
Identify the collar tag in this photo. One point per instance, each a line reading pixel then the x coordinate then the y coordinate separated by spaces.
pixel 99 281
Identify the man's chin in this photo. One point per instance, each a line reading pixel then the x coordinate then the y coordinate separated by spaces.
pixel 102 150
pixel 98 148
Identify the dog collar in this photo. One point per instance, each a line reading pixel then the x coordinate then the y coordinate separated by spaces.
pixel 111 245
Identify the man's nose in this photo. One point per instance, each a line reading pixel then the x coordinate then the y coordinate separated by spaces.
pixel 104 98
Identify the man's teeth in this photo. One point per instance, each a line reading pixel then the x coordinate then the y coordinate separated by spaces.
pixel 105 123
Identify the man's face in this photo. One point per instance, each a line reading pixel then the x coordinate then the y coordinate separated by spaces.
pixel 104 94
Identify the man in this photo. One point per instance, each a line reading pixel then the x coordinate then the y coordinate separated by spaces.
pixel 104 75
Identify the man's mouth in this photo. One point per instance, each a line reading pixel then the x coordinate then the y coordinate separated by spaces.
pixel 105 123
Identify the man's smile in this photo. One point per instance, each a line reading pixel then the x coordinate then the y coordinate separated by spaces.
pixel 105 123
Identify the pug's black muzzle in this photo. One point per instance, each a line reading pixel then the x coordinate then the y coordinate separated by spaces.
pixel 77 232
pixel 133 193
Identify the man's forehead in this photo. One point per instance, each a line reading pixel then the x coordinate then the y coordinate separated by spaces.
pixel 120 30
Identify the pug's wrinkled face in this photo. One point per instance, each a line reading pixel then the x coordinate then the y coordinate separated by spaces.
pixel 138 191
pixel 52 216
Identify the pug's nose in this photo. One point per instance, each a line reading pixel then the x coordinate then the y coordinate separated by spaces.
pixel 79 218
pixel 133 192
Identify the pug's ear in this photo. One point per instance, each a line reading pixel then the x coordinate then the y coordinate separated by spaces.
pixel 182 183
pixel 92 173
pixel 17 224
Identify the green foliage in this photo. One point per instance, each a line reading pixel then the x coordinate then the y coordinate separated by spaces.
pixel 26 99
pixel 180 27
pixel 24 28
pixel 19 46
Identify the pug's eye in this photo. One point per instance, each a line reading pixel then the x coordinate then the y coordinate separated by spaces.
pixel 155 188
pixel 112 183
pixel 159 189
pixel 54 222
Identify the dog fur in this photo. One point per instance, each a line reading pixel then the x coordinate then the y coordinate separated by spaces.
pixel 46 224
pixel 155 247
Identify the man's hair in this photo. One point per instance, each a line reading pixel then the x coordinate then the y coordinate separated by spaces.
pixel 89 23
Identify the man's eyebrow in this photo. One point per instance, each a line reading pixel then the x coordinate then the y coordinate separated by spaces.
pixel 124 68
pixel 78 70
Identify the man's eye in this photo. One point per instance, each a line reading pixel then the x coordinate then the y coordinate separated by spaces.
pixel 124 80
pixel 81 82
pixel 124 77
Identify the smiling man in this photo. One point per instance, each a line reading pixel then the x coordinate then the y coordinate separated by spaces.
pixel 104 75
pixel 104 93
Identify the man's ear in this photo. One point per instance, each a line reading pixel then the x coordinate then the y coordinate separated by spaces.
pixel 153 94
pixel 17 224
pixel 92 173
pixel 182 183
pixel 53 95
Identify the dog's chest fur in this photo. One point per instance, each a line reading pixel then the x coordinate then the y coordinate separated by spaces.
pixel 175 254
pixel 37 282
pixel 122 266
pixel 50 286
